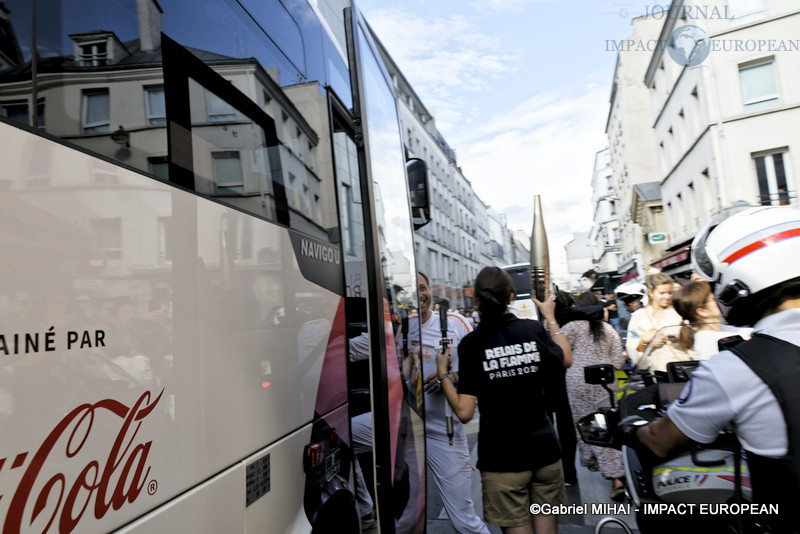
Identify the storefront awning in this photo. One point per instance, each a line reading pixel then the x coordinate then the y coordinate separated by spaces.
pixel 673 259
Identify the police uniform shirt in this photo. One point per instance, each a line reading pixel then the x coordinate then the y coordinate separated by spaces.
pixel 457 328
pixel 724 389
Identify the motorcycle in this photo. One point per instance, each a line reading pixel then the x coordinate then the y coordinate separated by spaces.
pixel 680 493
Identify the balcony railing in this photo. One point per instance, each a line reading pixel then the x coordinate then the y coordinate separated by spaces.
pixel 781 198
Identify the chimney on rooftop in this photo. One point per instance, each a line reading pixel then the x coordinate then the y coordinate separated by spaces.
pixel 149 15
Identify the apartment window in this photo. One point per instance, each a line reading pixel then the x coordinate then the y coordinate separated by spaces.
pixel 613 206
pixel 93 54
pixel 316 208
pixel 672 146
pixel 707 192
pixel 773 184
pixel 305 202
pixel 267 103
pixel 696 118
pixel 311 158
pixel 691 207
pixel 107 237
pixel 218 109
pixel 285 128
pixel 296 140
pixel 745 11
pixel 156 107
pixel 615 234
pixel 158 167
pixel 759 89
pixel 228 172
pixel 96 111
pixel 683 137
pixel 680 211
pixel 16 111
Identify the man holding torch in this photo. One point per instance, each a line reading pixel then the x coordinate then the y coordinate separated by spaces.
pixel 447 451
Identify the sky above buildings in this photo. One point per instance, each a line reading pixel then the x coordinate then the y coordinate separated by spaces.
pixel 520 88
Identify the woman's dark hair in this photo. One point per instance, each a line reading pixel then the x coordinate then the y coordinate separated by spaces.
pixel 595 326
pixel 686 301
pixel 493 287
pixel 563 301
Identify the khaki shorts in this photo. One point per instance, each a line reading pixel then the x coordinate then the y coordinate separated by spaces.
pixel 507 497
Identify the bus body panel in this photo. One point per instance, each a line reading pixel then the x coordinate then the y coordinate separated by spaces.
pixel 124 401
pixel 171 283
pixel 202 509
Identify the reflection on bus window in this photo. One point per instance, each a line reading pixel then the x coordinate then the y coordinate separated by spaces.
pixel 104 91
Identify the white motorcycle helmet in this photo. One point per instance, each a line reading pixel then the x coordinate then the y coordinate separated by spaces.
pixel 748 254
pixel 628 291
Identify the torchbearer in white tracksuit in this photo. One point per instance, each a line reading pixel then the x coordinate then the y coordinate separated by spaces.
pixel 449 464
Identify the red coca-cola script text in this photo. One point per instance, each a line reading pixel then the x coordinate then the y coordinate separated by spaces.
pixel 119 480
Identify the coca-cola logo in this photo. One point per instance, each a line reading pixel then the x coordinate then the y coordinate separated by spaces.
pixel 64 501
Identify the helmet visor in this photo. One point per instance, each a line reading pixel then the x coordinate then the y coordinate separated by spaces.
pixel 702 261
pixel 705 261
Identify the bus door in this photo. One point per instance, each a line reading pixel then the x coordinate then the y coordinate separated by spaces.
pixel 386 281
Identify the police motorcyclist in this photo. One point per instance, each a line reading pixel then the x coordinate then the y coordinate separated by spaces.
pixel 634 296
pixel 750 257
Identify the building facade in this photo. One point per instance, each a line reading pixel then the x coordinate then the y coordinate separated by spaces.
pixel 725 130
pixel 605 234
pixel 631 145
pixel 580 251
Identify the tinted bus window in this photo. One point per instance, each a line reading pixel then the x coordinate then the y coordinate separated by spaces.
pixel 100 86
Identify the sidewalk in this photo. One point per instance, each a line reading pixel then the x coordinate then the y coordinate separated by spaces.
pixel 591 488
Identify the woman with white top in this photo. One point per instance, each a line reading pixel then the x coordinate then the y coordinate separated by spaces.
pixel 646 326
pixel 702 320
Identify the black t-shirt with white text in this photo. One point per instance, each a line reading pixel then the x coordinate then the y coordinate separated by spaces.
pixel 508 365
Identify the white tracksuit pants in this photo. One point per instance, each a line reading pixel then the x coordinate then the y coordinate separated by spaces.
pixel 451 473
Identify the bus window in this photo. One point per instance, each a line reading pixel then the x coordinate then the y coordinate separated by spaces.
pixel 104 90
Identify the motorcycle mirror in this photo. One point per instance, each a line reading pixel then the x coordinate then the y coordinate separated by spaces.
pixel 599 374
pixel 594 430
pixel 681 371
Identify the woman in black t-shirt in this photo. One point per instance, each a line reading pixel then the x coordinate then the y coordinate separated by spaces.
pixel 507 364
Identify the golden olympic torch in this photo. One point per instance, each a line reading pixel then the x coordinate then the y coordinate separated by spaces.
pixel 540 254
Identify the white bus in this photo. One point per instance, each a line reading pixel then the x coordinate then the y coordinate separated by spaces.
pixel 198 199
